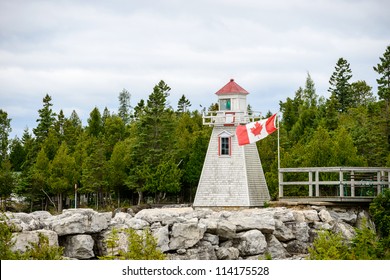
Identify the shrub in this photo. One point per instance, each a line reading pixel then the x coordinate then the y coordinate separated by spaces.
pixel 329 246
pixel 140 246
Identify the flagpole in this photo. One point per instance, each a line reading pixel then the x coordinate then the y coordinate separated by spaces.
pixel 278 125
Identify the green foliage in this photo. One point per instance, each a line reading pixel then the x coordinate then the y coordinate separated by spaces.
pixel 366 245
pixel 329 246
pixel 380 212
pixel 6 241
pixel 340 88
pixel 5 129
pixel 42 250
pixel 141 246
pixel 45 121
pixel 383 69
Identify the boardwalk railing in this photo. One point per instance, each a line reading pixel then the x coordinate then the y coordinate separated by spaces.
pixel 333 183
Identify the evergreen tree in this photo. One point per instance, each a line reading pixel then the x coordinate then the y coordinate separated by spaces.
pixel 383 69
pixel 17 154
pixel 95 123
pixel 183 104
pixel 340 88
pixel 5 129
pixel 45 121
pixel 63 174
pixel 362 94
pixel 124 111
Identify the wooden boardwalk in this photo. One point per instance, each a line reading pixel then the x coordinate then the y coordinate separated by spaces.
pixel 332 184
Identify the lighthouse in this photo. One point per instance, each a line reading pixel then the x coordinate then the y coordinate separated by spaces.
pixel 232 175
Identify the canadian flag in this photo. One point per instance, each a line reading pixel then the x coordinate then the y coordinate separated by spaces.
pixel 255 131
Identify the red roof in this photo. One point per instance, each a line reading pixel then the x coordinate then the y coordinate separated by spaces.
pixel 231 87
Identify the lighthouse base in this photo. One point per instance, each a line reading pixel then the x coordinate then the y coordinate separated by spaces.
pixel 236 180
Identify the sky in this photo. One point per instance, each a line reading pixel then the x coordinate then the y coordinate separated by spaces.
pixel 83 53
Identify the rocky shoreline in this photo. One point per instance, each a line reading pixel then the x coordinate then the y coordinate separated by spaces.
pixel 184 233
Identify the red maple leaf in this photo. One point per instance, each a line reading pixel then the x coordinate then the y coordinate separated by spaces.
pixel 257 129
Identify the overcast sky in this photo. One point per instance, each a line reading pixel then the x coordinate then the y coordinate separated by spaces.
pixel 83 53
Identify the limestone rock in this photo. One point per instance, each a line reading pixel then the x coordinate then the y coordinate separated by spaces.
pixel 325 216
pixel 225 229
pixel 276 249
pixel 23 239
pixel 79 221
pixel 186 235
pixel 251 242
pixel 162 236
pixel 282 232
pixel 311 216
pixel 79 247
pixel 212 238
pixel 229 253
pixel 167 216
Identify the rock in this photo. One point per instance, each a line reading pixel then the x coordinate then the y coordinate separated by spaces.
pixel 346 230
pixel 229 253
pixel 186 235
pixel 79 247
pixel 162 236
pixel 203 251
pixel 79 221
pixel 296 247
pixel 263 221
pixel 311 216
pixel 23 239
pixel 251 242
pixel 283 233
pixel 167 216
pixel 225 229
pixel 325 216
pixel 276 249
pixel 283 214
pixel 299 217
pixel 212 238
pixel 344 216
pixel 301 231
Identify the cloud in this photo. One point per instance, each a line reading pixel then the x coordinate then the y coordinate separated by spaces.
pixel 83 53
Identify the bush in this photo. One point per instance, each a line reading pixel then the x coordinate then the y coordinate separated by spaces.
pixel 140 246
pixel 380 212
pixel 329 246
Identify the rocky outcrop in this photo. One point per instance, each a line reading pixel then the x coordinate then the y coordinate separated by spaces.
pixel 187 233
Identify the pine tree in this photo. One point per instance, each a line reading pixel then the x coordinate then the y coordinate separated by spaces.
pixel 124 110
pixel 340 87
pixel 183 104
pixel 5 129
pixel 45 121
pixel 383 69
pixel 95 123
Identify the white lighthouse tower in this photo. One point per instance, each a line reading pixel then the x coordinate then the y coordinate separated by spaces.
pixel 232 175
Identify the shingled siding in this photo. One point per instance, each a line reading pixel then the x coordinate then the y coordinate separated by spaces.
pixel 257 185
pixel 235 180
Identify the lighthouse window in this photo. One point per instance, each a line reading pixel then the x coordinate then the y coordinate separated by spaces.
pixel 225 147
pixel 224 104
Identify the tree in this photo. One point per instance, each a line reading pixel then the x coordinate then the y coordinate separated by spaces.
pixel 63 174
pixel 183 104
pixel 383 69
pixel 94 173
pixel 340 87
pixel 45 121
pixel 95 123
pixel 5 129
pixel 124 111
pixel 7 183
pixel 362 94
pixel 17 155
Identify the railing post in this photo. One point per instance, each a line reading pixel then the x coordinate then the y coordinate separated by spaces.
pixel 317 182
pixel 341 189
pixel 310 183
pixel 280 184
pixel 378 180
pixel 352 183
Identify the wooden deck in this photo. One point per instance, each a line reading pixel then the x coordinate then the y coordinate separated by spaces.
pixel 333 184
